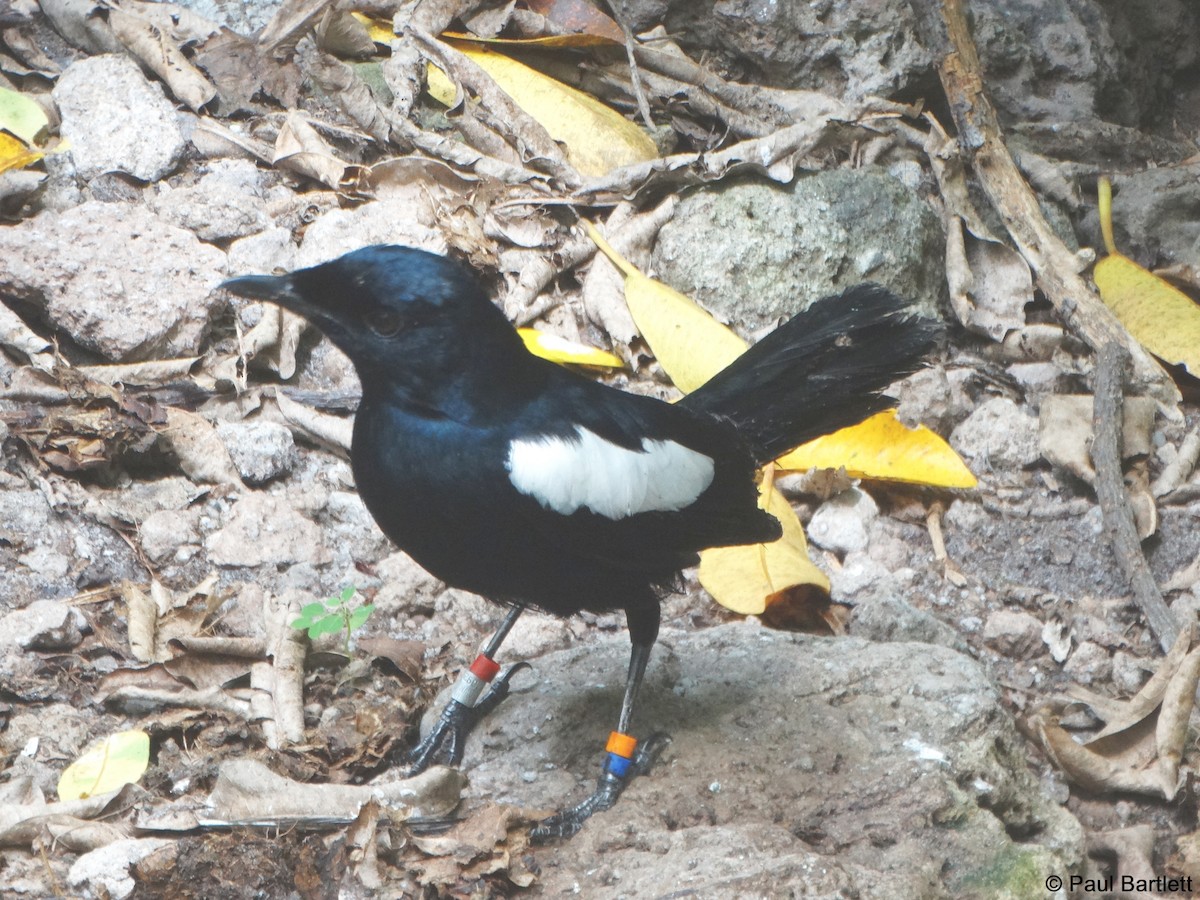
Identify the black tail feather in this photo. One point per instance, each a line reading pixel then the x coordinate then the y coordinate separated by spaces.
pixel 820 371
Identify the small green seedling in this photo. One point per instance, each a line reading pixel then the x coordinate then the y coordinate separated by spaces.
pixel 332 615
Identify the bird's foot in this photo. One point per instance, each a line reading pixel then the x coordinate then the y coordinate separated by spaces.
pixel 447 740
pixel 609 785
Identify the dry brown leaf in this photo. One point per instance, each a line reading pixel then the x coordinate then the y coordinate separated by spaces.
pixel 278 681
pixel 1186 859
pixel 242 70
pixel 159 53
pixel 300 149
pixel 333 431
pixel 407 656
pixel 163 615
pixel 150 372
pixel 1150 697
pixel 490 841
pixel 248 792
pixel 344 34
pixel 1065 431
pixel 631 235
pixel 141 617
pixel 1140 749
pixel 362 844
pixel 201 453
pixel 16 335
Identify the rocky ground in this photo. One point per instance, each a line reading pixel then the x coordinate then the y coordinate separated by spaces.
pixel 175 486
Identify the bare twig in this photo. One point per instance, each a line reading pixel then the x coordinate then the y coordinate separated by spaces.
pixel 777 154
pixel 635 76
pixel 1110 489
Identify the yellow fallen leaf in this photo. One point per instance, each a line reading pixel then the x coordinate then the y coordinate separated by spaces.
pixel 560 350
pixel 118 760
pixel 380 30
pixel 749 578
pixel 597 138
pixel 1161 317
pixel 687 341
pixel 15 155
pixel 885 448
pixel 21 116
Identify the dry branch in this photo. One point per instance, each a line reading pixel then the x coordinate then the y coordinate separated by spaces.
pixel 1110 489
pixel 1056 267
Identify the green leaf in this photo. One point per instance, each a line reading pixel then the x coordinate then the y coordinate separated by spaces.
pixel 21 116
pixel 360 616
pixel 309 614
pixel 327 625
pixel 347 593
pixel 117 760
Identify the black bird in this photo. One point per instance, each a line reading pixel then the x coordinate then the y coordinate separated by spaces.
pixel 517 479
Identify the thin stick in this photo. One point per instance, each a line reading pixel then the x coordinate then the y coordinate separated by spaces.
pixel 635 76
pixel 1107 419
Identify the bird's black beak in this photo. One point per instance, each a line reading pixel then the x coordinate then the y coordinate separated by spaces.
pixel 273 288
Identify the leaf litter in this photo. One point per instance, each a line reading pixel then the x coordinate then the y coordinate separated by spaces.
pixel 189 673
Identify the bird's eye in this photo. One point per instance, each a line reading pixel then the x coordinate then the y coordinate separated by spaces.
pixel 385 322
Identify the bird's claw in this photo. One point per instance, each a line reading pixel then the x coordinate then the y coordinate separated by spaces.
pixel 567 822
pixel 447 740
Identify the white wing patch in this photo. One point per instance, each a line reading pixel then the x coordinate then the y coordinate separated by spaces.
pixel 586 471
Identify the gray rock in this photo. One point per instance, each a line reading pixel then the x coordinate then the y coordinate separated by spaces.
pixel 881 614
pixel 115 277
pixel 268 251
pixel 405 587
pixel 999 435
pixel 1089 664
pixel 116 120
pixel 838 741
pixel 264 530
pixel 1157 40
pixel 227 202
pixel 1054 60
pixel 351 531
pixel 1129 672
pixel 536 634
pixel 1014 633
pixel 244 18
pixel 843 522
pixel 1154 215
pixel 261 450
pixel 107 872
pixel 754 252
pixel 44 625
pixel 32 533
pixel 1051 60
pixel 170 535
pixel 387 221
pixel 859 571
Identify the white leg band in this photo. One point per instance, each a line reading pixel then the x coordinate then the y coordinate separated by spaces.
pixel 468 688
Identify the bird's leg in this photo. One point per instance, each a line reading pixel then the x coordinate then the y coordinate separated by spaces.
pixel 447 739
pixel 623 757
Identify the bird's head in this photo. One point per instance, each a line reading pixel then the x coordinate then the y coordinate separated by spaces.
pixel 391 309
